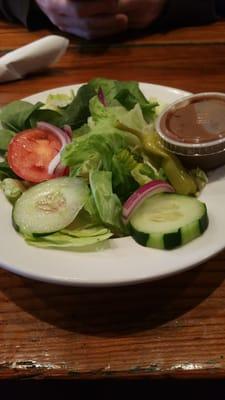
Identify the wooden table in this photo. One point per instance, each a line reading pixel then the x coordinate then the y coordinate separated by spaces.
pixel 170 328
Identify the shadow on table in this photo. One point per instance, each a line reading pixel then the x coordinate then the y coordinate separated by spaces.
pixel 124 39
pixel 110 389
pixel 116 311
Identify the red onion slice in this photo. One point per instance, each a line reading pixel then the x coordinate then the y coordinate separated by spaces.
pixel 61 170
pixel 54 163
pixel 64 136
pixel 101 97
pixel 149 189
pixel 69 132
pixel 60 133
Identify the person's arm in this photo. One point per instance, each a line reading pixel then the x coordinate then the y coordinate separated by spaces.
pixel 220 8
pixel 164 15
pixel 179 13
pixel 89 19
pixel 25 11
pixel 161 14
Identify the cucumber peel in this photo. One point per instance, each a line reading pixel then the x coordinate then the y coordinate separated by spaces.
pixel 49 206
pixel 168 220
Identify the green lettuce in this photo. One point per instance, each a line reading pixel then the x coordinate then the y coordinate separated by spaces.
pixel 144 173
pixel 82 234
pixel 98 111
pixel 5 137
pixel 123 163
pixel 5 171
pixel 112 144
pixel 77 112
pixel 105 152
pixel 20 115
pixel 63 241
pixel 127 93
pixel 58 101
pixel 107 203
pixel 15 116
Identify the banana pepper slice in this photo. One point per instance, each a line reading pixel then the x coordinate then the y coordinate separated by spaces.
pixel 178 176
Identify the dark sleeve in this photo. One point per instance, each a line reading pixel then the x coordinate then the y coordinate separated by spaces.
pixel 25 11
pixel 188 13
pixel 220 8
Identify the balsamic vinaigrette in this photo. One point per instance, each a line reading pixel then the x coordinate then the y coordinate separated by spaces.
pixel 197 120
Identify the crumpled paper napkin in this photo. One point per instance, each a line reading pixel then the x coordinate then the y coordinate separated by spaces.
pixel 32 58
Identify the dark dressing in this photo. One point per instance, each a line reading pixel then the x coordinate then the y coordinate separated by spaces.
pixel 196 121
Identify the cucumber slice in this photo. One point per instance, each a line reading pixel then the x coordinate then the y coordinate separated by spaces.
pixel 168 220
pixel 49 206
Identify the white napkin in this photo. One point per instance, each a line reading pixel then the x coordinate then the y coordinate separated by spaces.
pixel 32 57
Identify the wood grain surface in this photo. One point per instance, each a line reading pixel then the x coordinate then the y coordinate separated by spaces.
pixel 170 328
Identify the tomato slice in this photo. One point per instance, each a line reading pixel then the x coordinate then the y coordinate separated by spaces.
pixel 30 152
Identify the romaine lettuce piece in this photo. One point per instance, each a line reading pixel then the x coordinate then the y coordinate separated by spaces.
pixel 134 122
pixel 144 173
pixel 96 149
pixel 58 101
pixel 113 112
pixel 60 240
pixel 124 184
pixel 108 203
pixel 86 232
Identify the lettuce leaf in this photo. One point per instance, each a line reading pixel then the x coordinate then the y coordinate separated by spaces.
pixel 19 115
pixel 82 234
pixel 58 101
pixel 15 116
pixel 60 240
pixel 77 112
pixel 107 203
pixel 124 184
pixel 5 137
pixel 127 93
pixel 5 171
pixel 144 173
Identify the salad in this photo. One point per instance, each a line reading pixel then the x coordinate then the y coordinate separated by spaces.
pixel 82 168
